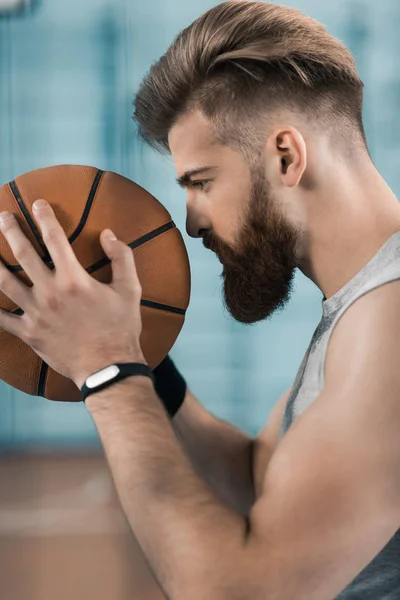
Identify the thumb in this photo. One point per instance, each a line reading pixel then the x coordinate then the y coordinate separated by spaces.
pixel 124 274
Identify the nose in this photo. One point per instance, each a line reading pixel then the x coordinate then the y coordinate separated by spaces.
pixel 196 225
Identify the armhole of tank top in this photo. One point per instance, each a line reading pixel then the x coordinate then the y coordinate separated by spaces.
pixel 365 290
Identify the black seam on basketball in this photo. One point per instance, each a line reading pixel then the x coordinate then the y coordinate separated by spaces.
pixel 88 206
pixel 28 217
pixel 47 259
pixel 135 244
pixel 104 261
pixel 165 307
pixel 152 234
pixel 42 379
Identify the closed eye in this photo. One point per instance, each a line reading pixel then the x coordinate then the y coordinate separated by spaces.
pixel 199 183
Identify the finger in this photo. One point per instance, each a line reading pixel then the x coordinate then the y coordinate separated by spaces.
pixel 14 289
pixel 56 241
pixel 124 274
pixel 11 323
pixel 22 248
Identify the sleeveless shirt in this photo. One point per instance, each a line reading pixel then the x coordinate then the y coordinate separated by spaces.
pixel 380 579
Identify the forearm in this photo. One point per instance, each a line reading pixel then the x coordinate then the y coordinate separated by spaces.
pixel 184 529
pixel 221 453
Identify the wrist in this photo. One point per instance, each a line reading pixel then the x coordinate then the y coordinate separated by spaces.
pixel 99 363
pixel 119 395
pixel 170 386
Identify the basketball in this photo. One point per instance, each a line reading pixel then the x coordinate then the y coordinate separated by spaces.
pixel 86 201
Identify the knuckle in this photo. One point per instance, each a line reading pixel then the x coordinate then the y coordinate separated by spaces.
pixel 122 253
pixel 4 278
pixel 51 301
pixel 20 250
pixel 127 253
pixel 137 288
pixel 50 233
pixel 31 334
pixel 50 236
pixel 72 287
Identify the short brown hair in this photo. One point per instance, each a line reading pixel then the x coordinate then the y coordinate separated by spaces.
pixel 244 60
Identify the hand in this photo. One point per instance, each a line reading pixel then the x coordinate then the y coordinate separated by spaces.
pixel 76 324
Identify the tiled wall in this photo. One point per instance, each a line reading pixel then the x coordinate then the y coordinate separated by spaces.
pixel 68 74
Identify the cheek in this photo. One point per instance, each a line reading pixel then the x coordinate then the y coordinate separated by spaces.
pixel 226 222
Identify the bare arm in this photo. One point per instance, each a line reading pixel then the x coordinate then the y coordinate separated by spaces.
pixel 229 460
pixel 220 452
pixel 329 503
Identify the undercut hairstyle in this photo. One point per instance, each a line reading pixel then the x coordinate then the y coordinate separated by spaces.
pixel 244 63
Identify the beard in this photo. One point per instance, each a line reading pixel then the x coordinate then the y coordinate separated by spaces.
pixel 258 274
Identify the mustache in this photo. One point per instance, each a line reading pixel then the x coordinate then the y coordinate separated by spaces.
pixel 227 256
pixel 212 242
pixel 209 241
pixel 215 244
pixel 222 251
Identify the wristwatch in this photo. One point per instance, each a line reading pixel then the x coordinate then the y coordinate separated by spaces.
pixel 111 374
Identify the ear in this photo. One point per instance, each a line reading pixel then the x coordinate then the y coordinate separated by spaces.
pixel 288 149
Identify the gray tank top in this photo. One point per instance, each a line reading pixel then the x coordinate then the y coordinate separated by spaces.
pixel 380 580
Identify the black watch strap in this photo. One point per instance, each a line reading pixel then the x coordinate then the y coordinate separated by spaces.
pixel 111 374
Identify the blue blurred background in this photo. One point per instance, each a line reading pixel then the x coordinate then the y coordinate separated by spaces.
pixel 68 74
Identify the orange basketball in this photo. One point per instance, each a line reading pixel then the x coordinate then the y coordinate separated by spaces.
pixel 87 200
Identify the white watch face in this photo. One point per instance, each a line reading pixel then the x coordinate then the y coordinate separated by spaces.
pixel 102 376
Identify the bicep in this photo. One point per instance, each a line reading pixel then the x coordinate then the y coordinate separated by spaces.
pixel 330 500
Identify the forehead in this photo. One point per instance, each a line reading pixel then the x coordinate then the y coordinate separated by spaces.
pixel 193 144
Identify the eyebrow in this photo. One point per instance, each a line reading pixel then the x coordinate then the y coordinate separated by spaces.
pixel 184 180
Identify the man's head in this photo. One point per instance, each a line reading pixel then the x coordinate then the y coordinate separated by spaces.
pixel 252 90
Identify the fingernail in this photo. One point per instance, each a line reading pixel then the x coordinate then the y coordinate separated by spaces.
pixel 110 235
pixel 5 216
pixel 39 204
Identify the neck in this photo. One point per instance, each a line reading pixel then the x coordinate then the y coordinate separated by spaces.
pixel 352 221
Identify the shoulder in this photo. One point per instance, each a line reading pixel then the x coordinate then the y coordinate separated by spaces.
pixel 366 339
